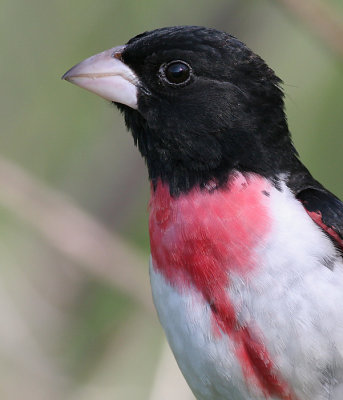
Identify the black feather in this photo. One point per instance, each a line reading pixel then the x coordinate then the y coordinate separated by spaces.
pixel 328 206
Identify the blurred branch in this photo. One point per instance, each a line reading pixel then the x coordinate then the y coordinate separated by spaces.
pixel 321 19
pixel 73 232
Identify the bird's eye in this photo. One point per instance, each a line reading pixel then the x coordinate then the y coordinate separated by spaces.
pixel 177 72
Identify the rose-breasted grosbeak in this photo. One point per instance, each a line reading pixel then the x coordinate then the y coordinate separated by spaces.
pixel 246 263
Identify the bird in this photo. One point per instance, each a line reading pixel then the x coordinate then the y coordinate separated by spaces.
pixel 246 264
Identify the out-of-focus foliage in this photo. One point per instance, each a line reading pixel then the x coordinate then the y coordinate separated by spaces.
pixel 64 333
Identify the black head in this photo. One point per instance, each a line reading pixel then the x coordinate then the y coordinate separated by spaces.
pixel 206 105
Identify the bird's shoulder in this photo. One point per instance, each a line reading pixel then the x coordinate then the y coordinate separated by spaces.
pixel 325 209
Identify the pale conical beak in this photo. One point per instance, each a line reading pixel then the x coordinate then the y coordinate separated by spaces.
pixel 107 76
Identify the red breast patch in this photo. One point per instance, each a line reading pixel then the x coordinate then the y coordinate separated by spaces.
pixel 198 238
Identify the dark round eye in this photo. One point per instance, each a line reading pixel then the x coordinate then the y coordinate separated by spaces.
pixel 177 72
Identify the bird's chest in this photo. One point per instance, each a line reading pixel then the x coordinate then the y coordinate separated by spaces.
pixel 198 242
pixel 197 238
pixel 236 275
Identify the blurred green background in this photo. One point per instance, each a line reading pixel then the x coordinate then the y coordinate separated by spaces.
pixel 76 317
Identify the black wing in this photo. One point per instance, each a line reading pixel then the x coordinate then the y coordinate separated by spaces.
pixel 326 210
pixel 323 207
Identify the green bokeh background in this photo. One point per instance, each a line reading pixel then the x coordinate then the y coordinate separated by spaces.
pixel 68 334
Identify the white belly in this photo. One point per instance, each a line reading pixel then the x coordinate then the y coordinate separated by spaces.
pixel 292 298
pixel 206 361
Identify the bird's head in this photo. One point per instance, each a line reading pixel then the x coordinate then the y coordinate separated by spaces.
pixel 198 102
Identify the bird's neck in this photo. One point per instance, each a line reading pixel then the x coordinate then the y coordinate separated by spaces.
pixel 185 159
pixel 246 155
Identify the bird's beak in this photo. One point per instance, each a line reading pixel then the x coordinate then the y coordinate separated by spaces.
pixel 107 76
